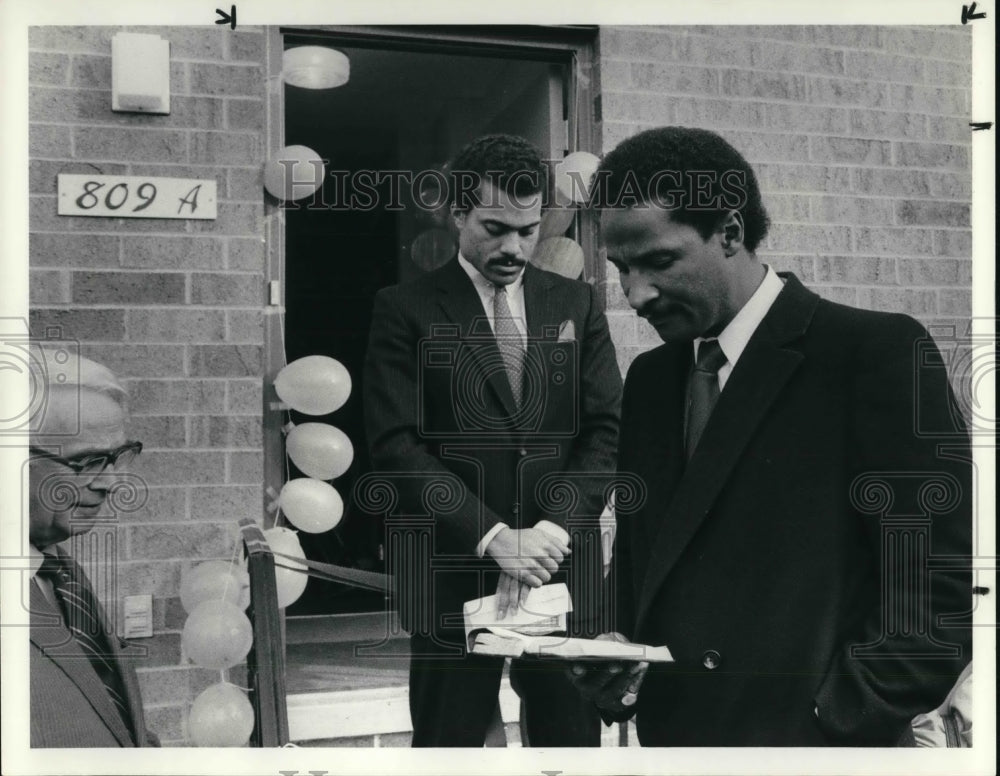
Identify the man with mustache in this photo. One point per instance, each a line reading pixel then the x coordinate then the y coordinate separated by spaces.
pixel 790 447
pixel 84 691
pixel 492 378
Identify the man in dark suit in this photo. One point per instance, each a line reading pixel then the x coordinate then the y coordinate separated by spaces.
pixel 491 389
pixel 83 689
pixel 798 486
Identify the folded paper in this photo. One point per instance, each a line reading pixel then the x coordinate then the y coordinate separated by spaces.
pixel 538 629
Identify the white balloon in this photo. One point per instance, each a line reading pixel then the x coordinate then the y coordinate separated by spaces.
pixel 572 176
pixel 314 385
pixel 221 716
pixel 560 255
pixel 295 172
pixel 217 634
pixel 319 450
pixel 311 505
pixel 289 575
pixel 215 580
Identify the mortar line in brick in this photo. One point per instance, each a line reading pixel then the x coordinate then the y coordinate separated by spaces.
pixel 201 449
pixel 851 78
pixel 836 46
pixel 805 101
pixel 642 59
pixel 827 135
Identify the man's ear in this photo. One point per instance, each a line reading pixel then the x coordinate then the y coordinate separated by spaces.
pixel 732 233
pixel 458 216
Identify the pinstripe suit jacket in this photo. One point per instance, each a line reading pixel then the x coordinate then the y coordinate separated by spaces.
pixel 438 409
pixel 69 705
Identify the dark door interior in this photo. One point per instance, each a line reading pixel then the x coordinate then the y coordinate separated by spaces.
pixel 402 110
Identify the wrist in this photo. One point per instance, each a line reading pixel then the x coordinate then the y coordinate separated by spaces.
pixel 493 546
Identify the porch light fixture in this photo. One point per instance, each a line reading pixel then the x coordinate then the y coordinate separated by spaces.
pixel 315 67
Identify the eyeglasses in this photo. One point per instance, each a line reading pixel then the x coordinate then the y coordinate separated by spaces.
pixel 90 465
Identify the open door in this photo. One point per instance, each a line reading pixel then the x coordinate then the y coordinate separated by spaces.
pixel 409 105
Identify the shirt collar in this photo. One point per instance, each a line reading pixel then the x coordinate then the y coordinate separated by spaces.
pixel 480 281
pixel 734 338
pixel 35 558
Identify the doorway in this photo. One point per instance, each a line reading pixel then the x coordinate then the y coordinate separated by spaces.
pixel 410 104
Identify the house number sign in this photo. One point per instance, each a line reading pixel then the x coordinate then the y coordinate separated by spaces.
pixel 136 196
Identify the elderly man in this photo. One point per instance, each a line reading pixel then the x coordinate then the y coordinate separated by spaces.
pixel 84 692
pixel 794 503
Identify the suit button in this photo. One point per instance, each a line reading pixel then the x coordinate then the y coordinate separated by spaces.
pixel 711 659
pixel 516 509
pixel 522 452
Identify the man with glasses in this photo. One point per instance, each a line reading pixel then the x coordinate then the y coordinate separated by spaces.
pixel 84 691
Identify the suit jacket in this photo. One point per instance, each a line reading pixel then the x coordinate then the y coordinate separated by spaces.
pixel 760 561
pixel 445 433
pixel 70 706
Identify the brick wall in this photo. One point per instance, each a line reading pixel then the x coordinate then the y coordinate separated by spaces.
pixel 859 136
pixel 175 308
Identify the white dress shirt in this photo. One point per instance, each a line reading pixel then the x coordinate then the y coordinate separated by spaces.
pixel 734 338
pixel 35 559
pixel 486 291
pixel 515 300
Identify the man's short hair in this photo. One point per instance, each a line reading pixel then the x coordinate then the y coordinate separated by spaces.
pixel 694 174
pixel 63 370
pixel 510 163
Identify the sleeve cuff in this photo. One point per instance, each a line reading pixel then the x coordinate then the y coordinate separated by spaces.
pixel 485 541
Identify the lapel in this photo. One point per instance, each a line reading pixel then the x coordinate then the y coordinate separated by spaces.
pixel 663 467
pixel 755 383
pixel 461 304
pixel 55 641
pixel 540 307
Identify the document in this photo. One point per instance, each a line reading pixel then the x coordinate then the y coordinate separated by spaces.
pixel 538 629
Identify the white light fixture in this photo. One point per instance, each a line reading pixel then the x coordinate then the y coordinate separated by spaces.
pixel 315 67
pixel 140 73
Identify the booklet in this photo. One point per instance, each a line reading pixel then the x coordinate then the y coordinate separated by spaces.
pixel 538 628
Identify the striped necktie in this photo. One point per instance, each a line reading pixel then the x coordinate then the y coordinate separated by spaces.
pixel 703 391
pixel 509 341
pixel 79 608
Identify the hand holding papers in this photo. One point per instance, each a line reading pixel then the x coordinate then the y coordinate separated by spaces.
pixel 612 686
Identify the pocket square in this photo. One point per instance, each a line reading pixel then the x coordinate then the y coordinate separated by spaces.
pixel 567 331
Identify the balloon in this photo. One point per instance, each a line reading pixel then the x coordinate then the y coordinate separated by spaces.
pixel 216 635
pixel 433 248
pixel 288 574
pixel 555 222
pixel 560 255
pixel 295 172
pixel 319 450
pixel 314 385
pixel 215 580
pixel 221 716
pixel 311 505
pixel 572 176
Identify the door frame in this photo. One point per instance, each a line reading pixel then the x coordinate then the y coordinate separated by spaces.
pixel 572 46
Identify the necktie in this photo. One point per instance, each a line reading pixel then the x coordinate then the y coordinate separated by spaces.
pixel 79 609
pixel 509 341
pixel 703 391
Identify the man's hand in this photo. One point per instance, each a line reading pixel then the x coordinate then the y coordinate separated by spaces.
pixel 529 555
pixel 612 686
pixel 511 595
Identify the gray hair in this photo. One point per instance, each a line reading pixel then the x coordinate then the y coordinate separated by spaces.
pixel 62 368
